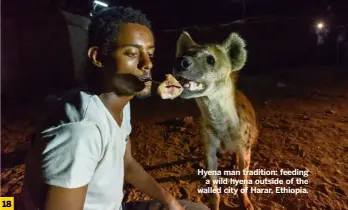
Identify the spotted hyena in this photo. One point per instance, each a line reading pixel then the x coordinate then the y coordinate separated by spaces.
pixel 208 73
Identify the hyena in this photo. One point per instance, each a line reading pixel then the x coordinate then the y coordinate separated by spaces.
pixel 209 73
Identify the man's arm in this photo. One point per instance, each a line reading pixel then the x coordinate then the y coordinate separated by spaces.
pixel 59 198
pixel 71 155
pixel 139 178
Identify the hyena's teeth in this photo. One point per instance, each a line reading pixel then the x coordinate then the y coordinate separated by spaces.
pixel 194 86
pixel 200 86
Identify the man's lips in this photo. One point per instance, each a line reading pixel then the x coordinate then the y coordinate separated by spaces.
pixel 147 80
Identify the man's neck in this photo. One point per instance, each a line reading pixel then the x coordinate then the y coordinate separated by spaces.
pixel 114 103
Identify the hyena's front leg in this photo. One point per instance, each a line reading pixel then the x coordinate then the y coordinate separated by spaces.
pixel 243 157
pixel 211 164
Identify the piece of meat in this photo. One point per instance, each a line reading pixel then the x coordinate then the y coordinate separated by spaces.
pixel 170 88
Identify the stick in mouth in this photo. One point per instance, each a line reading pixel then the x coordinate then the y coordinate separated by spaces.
pixel 150 80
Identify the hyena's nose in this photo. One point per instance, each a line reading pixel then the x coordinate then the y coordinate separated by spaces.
pixel 183 63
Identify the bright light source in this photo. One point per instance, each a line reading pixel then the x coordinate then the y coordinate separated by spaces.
pixel 320 25
pixel 101 3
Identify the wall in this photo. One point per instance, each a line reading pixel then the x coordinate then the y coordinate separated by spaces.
pixel 36 55
pixel 78 33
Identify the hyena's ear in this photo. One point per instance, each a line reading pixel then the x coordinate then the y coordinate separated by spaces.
pixel 184 42
pixel 235 47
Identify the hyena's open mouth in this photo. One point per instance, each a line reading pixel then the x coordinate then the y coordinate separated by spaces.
pixel 190 84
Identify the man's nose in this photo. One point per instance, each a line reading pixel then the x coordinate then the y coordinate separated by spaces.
pixel 183 63
pixel 146 63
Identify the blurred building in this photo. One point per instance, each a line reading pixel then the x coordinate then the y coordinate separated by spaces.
pixel 78 36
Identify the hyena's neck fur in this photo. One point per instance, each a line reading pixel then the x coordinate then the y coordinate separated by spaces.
pixel 220 107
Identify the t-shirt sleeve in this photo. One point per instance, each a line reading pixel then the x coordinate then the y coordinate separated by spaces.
pixel 71 154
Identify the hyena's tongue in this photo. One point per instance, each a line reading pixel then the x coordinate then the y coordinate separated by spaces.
pixel 193 86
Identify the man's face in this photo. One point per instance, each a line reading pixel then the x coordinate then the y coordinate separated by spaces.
pixel 133 54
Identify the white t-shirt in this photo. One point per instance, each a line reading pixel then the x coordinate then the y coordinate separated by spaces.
pixel 80 144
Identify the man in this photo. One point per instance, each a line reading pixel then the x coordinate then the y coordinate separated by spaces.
pixel 83 153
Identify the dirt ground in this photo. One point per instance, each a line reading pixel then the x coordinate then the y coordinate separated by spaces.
pixel 304 125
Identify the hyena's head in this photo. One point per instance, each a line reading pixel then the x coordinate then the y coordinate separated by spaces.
pixel 204 69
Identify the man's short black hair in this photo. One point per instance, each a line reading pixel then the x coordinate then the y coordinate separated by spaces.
pixel 105 25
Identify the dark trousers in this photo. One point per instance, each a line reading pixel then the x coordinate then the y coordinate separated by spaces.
pixel 154 205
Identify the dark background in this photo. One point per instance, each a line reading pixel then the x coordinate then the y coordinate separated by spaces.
pixel 181 13
pixel 36 56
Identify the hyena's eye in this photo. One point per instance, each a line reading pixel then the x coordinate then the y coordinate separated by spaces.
pixel 210 60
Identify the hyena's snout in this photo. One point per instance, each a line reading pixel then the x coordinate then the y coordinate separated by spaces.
pixel 183 63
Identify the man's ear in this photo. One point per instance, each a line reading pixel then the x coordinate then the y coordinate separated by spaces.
pixel 235 47
pixel 93 55
pixel 184 42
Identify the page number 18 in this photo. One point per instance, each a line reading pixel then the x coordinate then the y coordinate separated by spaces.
pixel 7 203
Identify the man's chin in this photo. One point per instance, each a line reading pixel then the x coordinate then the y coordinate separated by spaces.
pixel 143 94
pixel 140 96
